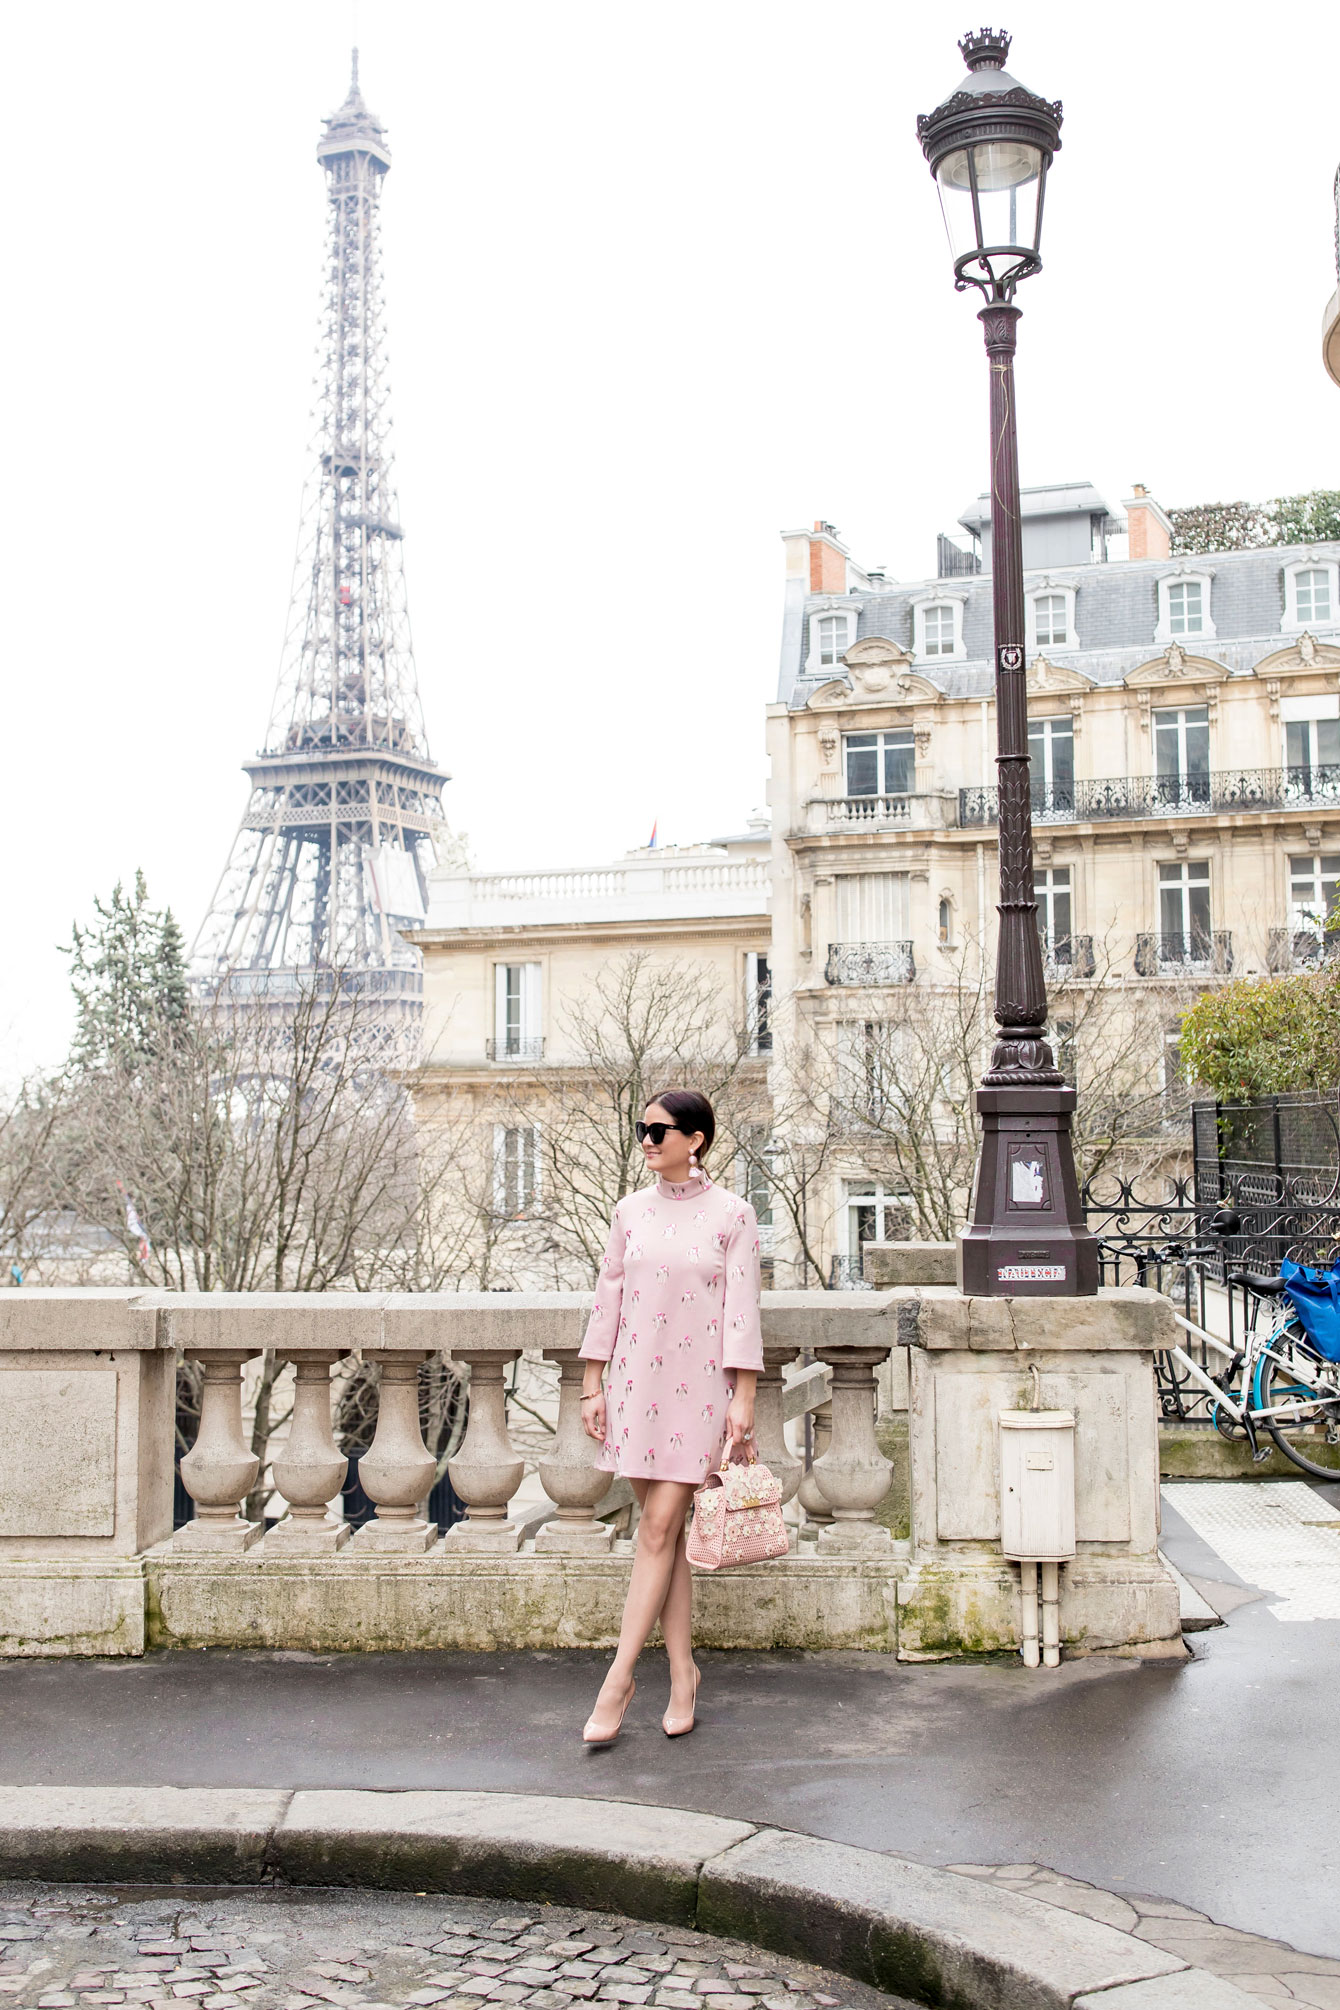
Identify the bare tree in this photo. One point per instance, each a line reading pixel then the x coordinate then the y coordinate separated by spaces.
pixel 259 1149
pixel 643 1025
pixel 787 1141
pixel 893 1095
pixel 31 1118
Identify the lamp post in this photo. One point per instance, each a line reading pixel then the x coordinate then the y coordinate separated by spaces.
pixel 989 146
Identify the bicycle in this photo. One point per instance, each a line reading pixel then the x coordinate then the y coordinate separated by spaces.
pixel 1282 1381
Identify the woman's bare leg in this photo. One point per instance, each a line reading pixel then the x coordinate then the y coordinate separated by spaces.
pixel 660 1537
pixel 677 1626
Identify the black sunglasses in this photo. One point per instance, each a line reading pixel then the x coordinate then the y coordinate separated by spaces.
pixel 656 1132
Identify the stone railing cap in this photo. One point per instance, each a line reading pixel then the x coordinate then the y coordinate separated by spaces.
pixel 34 1319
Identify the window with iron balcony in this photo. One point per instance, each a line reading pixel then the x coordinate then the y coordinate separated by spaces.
pixel 758 1001
pixel 517 1033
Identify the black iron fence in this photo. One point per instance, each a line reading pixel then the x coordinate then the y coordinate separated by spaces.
pixel 1159 1240
pixel 1102 799
pixel 1277 1161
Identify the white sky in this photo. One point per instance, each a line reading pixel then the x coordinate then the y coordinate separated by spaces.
pixel 661 282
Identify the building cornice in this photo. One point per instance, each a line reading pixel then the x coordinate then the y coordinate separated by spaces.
pixel 689 928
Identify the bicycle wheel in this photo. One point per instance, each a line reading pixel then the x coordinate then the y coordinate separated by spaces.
pixel 1305 1403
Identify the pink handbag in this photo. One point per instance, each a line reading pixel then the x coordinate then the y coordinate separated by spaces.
pixel 737 1517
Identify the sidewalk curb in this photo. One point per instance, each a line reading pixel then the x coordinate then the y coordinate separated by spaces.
pixel 929 1934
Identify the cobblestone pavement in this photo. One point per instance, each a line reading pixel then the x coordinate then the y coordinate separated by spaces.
pixel 280 1949
pixel 1267 1968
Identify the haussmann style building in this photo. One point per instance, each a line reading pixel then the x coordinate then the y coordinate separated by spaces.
pixel 1185 744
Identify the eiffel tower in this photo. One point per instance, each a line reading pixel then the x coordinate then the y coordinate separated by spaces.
pixel 334 847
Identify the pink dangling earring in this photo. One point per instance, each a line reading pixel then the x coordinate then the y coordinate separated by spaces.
pixel 695 1170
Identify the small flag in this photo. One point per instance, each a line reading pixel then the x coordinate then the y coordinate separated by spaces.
pixel 136 1227
pixel 651 841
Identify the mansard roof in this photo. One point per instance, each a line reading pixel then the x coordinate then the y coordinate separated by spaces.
pixel 1116 613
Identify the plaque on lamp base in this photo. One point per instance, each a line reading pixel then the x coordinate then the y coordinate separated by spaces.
pixel 1026 1235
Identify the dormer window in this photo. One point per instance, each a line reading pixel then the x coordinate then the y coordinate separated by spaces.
pixel 832 632
pixel 1051 617
pixel 1312 594
pixel 1049 613
pixel 1186 616
pixel 832 638
pixel 1310 597
pixel 938 628
pixel 1184 608
pixel 939 631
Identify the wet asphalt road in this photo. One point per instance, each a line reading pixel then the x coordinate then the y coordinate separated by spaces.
pixel 1215 1782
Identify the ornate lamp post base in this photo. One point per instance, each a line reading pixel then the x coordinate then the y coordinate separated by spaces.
pixel 1026 1235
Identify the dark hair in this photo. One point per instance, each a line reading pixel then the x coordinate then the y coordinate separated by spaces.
pixel 691 1113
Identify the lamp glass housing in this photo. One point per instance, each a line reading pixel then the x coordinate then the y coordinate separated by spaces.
pixel 991 195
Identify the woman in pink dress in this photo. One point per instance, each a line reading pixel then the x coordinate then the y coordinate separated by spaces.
pixel 672 1353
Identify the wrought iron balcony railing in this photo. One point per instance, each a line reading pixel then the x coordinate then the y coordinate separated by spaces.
pixel 513 1048
pixel 1068 956
pixel 1223 792
pixel 870 963
pixel 1300 948
pixel 1200 954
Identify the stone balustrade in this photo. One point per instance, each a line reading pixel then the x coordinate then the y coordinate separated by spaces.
pixel 89 1561
pixel 484 1333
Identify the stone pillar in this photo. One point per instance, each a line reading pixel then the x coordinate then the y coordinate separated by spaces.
pixel 486 1472
pixel 770 1421
pixel 816 1507
pixel 311 1469
pixel 220 1470
pixel 971 1358
pixel 853 1475
pixel 570 1476
pixel 398 1469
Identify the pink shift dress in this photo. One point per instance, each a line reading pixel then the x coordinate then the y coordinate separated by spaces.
pixel 676 1310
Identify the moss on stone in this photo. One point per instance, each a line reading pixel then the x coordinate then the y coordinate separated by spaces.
pixel 895 1510
pixel 1188 1454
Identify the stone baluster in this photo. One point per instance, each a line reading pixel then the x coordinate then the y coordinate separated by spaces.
pixel 397 1470
pixel 311 1469
pixel 816 1507
pixel 570 1476
pixel 486 1471
pixel 220 1470
pixel 770 1421
pixel 853 1475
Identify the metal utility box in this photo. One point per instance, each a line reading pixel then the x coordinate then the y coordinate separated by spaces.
pixel 1037 1484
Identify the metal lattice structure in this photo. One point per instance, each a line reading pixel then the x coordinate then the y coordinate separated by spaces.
pixel 333 850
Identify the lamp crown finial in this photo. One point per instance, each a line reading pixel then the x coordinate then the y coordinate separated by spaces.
pixel 985 49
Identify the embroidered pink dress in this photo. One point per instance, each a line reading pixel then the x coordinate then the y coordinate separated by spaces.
pixel 676 1310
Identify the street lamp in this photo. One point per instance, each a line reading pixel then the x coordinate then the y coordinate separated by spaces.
pixel 989 146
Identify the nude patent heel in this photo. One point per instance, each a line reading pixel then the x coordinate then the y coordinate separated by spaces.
pixel 679 1727
pixel 608 1737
